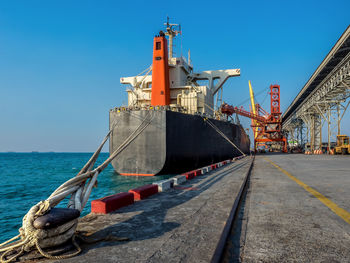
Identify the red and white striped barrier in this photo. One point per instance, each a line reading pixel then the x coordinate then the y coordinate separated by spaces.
pixel 179 179
pixel 111 203
pixel 144 191
pixel 164 185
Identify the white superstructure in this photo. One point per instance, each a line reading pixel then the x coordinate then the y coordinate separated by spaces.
pixel 186 95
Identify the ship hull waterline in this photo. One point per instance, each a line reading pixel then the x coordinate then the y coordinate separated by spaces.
pixel 172 143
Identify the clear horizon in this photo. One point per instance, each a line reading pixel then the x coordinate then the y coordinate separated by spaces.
pixel 61 61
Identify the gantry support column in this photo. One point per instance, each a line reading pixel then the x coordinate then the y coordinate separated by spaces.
pixel 329 112
pixel 316 126
pixel 307 122
pixel 300 136
pixel 338 118
pixel 291 135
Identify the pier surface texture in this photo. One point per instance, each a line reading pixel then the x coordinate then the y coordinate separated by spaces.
pixel 183 224
pixel 298 212
pixel 295 209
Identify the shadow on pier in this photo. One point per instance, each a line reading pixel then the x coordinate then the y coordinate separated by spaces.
pixel 151 218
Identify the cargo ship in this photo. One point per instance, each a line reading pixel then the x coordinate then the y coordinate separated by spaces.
pixel 186 128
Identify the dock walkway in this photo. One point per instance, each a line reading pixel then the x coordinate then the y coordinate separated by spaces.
pixel 183 224
pixel 297 210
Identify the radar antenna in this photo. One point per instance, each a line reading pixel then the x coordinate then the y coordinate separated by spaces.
pixel 172 30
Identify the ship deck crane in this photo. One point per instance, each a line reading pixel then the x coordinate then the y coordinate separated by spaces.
pixel 267 127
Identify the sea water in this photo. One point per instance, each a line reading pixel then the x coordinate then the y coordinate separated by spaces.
pixel 27 178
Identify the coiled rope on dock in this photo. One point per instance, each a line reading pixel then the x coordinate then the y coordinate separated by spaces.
pixel 79 188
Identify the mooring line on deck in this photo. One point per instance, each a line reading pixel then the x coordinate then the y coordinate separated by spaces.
pixel 342 213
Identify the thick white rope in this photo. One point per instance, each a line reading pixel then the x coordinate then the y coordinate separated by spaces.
pixel 79 191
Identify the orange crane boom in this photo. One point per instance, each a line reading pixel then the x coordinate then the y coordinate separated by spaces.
pixel 267 127
pixel 229 110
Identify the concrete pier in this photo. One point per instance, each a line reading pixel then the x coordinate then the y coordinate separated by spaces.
pixel 296 210
pixel 183 224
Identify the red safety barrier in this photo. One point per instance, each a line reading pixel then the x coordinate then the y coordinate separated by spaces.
pixel 214 166
pixel 197 172
pixel 144 191
pixel 224 163
pixel 111 203
pixel 190 175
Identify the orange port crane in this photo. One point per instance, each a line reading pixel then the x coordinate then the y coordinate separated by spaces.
pixel 266 127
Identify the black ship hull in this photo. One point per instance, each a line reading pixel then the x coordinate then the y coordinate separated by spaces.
pixel 172 143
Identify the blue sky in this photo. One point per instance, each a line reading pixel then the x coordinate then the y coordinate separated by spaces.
pixel 60 61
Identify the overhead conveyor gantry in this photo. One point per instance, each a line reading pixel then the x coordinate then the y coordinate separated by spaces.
pixel 323 100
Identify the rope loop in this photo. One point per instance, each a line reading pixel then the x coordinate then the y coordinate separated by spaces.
pixel 47 255
pixel 79 188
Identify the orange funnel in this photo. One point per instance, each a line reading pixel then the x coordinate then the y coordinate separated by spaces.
pixel 160 73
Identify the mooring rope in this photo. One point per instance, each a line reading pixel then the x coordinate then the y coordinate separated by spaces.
pixel 223 135
pixel 80 189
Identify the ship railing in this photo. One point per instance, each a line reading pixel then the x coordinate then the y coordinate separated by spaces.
pixel 175 108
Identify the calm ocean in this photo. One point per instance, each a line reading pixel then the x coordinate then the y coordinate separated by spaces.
pixel 27 178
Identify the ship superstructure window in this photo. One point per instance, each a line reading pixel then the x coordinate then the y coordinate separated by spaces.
pixel 158 45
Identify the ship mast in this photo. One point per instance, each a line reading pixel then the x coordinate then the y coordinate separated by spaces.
pixel 171 33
